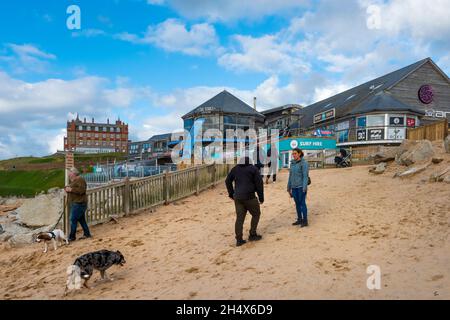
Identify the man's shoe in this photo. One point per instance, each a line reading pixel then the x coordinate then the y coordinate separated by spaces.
pixel 85 237
pixel 297 223
pixel 240 242
pixel 304 224
pixel 71 240
pixel 254 237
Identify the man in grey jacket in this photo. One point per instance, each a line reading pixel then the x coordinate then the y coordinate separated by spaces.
pixel 298 186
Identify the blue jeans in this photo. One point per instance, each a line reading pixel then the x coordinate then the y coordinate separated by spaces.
pixel 300 203
pixel 77 214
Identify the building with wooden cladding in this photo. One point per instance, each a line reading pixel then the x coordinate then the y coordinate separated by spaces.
pixel 92 137
pixel 381 110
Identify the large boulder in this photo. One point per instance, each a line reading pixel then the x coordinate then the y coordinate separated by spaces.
pixel 447 144
pixel 417 152
pixel 43 210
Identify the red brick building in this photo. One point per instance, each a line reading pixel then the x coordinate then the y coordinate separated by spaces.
pixel 92 137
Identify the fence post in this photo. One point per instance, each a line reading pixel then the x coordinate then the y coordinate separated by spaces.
pixel 214 169
pixel 323 159
pixel 351 156
pixel 66 209
pixel 126 196
pixel 197 181
pixel 166 187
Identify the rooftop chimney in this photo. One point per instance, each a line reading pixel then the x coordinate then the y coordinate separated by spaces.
pixel 84 119
pixel 107 121
pixel 254 103
pixel 92 120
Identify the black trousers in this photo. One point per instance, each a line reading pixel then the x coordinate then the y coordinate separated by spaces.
pixel 242 206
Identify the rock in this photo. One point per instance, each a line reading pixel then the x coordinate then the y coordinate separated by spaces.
pixel 43 210
pixel 5 236
pixel 417 152
pixel 447 144
pixel 53 190
pixel 1 229
pixel 21 239
pixel 412 171
pixel 437 160
pixel 379 169
pixel 439 176
pixel 446 179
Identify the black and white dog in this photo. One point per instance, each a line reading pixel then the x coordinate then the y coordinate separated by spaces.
pixel 56 236
pixel 84 266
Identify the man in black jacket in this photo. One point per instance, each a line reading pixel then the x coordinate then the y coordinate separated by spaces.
pixel 247 180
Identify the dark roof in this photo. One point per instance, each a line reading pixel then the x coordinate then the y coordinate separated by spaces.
pixel 383 101
pixel 224 102
pixel 346 102
pixel 165 136
pixel 277 109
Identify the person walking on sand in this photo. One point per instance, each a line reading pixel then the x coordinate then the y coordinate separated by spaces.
pixel 77 199
pixel 298 186
pixel 272 155
pixel 247 180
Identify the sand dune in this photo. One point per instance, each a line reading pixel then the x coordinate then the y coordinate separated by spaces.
pixel 186 250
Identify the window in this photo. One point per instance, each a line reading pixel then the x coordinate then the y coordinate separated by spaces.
pixel 104 136
pixel 343 136
pixel 104 129
pixel 343 125
pixel 117 136
pixel 117 129
pixel 375 121
pixel 96 128
pixel 362 122
pixel 111 129
pixel 96 135
pixel 80 127
pixel 81 134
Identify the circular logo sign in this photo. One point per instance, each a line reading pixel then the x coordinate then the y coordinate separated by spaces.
pixel 426 94
pixel 396 120
pixel 294 144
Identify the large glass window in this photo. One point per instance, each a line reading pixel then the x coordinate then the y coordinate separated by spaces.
pixel 375 121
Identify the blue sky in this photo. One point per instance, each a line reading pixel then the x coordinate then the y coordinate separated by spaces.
pixel 151 61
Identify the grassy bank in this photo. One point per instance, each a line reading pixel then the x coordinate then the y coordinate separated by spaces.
pixel 28 183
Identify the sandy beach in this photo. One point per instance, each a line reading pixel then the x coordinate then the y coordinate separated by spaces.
pixel 186 250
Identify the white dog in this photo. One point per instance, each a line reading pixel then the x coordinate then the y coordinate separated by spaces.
pixel 54 236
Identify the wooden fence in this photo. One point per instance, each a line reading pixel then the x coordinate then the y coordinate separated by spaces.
pixel 129 196
pixel 432 132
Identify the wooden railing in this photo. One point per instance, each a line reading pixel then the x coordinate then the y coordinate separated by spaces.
pixel 432 132
pixel 129 196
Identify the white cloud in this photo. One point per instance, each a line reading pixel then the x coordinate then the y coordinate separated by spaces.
pixel 420 20
pixel 26 58
pixel 232 10
pixel 56 142
pixel 267 54
pixel 174 36
pixel 37 110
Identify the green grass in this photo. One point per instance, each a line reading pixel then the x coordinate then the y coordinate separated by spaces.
pixel 28 183
pixel 43 160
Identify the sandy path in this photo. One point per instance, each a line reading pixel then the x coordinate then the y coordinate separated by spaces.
pixel 186 250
